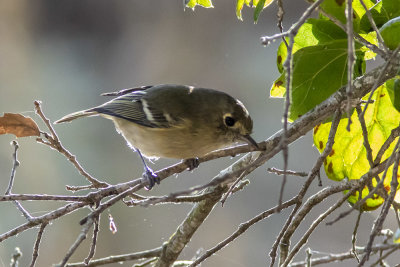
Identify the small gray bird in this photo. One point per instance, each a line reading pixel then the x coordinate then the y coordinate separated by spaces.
pixel 174 121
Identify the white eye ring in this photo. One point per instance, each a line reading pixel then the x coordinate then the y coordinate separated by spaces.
pixel 229 120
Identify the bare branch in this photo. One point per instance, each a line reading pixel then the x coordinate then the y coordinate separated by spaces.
pixel 393 135
pixel 30 197
pixel 314 225
pixel 344 256
pixel 373 25
pixel 11 182
pixel 54 142
pixel 293 30
pixel 231 188
pixel 354 235
pixel 365 136
pixel 82 236
pixel 94 240
pixel 351 58
pixel 14 168
pixel 120 258
pixel 384 256
pixel 35 253
pixel 242 228
pixel 289 172
pixel 187 228
pixel 283 234
pixel 46 218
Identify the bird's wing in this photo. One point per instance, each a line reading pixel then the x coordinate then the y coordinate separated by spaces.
pixel 135 108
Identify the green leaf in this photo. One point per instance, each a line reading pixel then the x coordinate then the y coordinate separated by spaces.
pixel 348 157
pixel 337 8
pixel 370 37
pixel 381 12
pixel 260 5
pixel 390 32
pixel 193 3
pixel 258 9
pixel 312 32
pixel 239 7
pixel 282 54
pixel 318 71
pixel 393 87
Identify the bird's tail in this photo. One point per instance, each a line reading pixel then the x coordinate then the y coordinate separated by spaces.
pixel 78 114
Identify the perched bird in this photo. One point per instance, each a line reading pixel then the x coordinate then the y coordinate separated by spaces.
pixel 174 121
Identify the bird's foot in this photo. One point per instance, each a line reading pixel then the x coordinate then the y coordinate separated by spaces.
pixel 192 163
pixel 150 179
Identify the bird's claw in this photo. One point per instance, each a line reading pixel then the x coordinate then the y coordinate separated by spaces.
pixel 151 179
pixel 192 163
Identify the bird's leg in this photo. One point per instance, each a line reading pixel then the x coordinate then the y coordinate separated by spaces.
pixel 192 163
pixel 148 174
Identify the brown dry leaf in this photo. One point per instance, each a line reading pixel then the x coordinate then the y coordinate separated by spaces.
pixel 18 125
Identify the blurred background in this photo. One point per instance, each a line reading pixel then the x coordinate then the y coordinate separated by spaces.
pixel 66 53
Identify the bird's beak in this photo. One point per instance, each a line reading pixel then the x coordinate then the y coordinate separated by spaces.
pixel 249 140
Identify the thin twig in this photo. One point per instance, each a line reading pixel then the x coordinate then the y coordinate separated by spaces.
pixel 272 253
pixel 289 172
pixel 54 142
pixel 231 188
pixel 108 204
pixel 92 250
pixel 120 258
pixel 16 164
pixel 374 27
pixel 31 197
pixel 14 168
pixel 288 65
pixel 355 184
pixel 295 27
pixel 384 256
pixel 42 219
pixel 393 135
pixel 344 256
pixel 350 58
pixel 365 136
pixel 145 201
pixel 354 235
pixel 280 13
pixel 35 253
pixel 82 236
pixel 314 225
pixel 301 194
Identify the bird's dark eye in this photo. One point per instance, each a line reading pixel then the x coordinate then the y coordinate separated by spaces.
pixel 229 121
